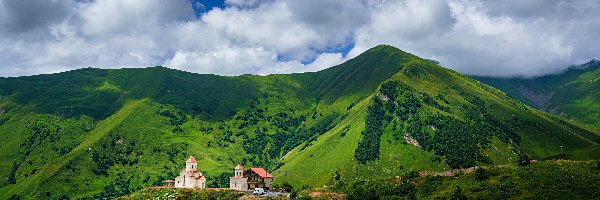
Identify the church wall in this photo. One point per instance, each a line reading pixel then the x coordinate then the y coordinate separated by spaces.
pixel 238 183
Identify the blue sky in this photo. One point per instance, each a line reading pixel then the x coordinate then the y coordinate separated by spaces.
pixel 230 37
pixel 206 5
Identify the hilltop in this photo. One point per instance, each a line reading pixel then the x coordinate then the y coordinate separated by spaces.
pixel 94 133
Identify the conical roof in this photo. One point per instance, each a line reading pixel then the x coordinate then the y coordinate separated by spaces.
pixel 191 160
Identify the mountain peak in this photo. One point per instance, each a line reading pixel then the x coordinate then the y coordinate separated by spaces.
pixel 385 48
pixel 588 65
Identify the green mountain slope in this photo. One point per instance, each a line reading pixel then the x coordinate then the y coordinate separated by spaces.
pixel 573 94
pixel 94 133
pixel 457 121
pixel 544 180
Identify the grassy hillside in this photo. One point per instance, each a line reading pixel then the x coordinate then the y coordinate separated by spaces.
pixel 457 121
pixel 544 180
pixel 94 133
pixel 586 153
pixel 573 94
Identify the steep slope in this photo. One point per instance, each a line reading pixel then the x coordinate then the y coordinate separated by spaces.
pixel 573 94
pixel 254 120
pixel 94 133
pixel 49 170
pixel 430 118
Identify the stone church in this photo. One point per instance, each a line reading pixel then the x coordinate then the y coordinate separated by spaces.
pixel 191 177
pixel 250 179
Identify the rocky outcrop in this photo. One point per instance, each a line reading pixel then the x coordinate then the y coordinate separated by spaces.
pixel 540 100
pixel 410 140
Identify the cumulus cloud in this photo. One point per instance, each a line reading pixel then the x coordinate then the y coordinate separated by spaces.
pixel 483 37
pixel 110 17
pixel 488 37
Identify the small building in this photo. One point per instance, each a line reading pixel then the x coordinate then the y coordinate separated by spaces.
pixel 238 181
pixel 191 177
pixel 250 179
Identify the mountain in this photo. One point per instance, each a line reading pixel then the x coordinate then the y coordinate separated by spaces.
pixel 95 133
pixel 574 94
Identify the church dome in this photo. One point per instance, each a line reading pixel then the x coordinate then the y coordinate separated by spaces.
pixel 239 167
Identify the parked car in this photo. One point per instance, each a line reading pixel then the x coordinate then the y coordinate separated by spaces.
pixel 258 191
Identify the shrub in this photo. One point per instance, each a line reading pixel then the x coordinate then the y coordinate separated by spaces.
pixel 524 159
pixel 481 174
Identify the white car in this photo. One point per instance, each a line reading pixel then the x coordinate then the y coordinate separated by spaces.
pixel 258 191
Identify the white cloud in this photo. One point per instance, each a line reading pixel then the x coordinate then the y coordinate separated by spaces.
pixel 323 61
pixel 501 38
pixel 468 37
pixel 227 61
pixel 109 17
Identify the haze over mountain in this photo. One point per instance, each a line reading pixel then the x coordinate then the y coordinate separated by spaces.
pixel 573 94
pixel 232 37
pixel 384 113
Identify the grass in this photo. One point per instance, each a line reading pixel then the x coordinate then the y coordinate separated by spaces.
pixel 544 180
pixel 586 153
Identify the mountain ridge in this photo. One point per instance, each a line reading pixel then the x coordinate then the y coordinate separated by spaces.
pixel 571 94
pixel 303 126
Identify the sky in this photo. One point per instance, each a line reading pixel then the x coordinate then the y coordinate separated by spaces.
pixel 508 38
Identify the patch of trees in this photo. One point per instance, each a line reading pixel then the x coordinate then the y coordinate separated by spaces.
pixel 352 104
pixel 120 186
pixel 458 140
pixel 285 186
pixel 403 103
pixel 308 135
pixel 201 110
pixel 257 144
pixel 286 122
pixel 116 149
pixel 218 181
pixel 283 132
pixel 368 146
pixel 175 118
pixel 113 150
pixel 12 178
pixel 344 131
pixel 377 189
